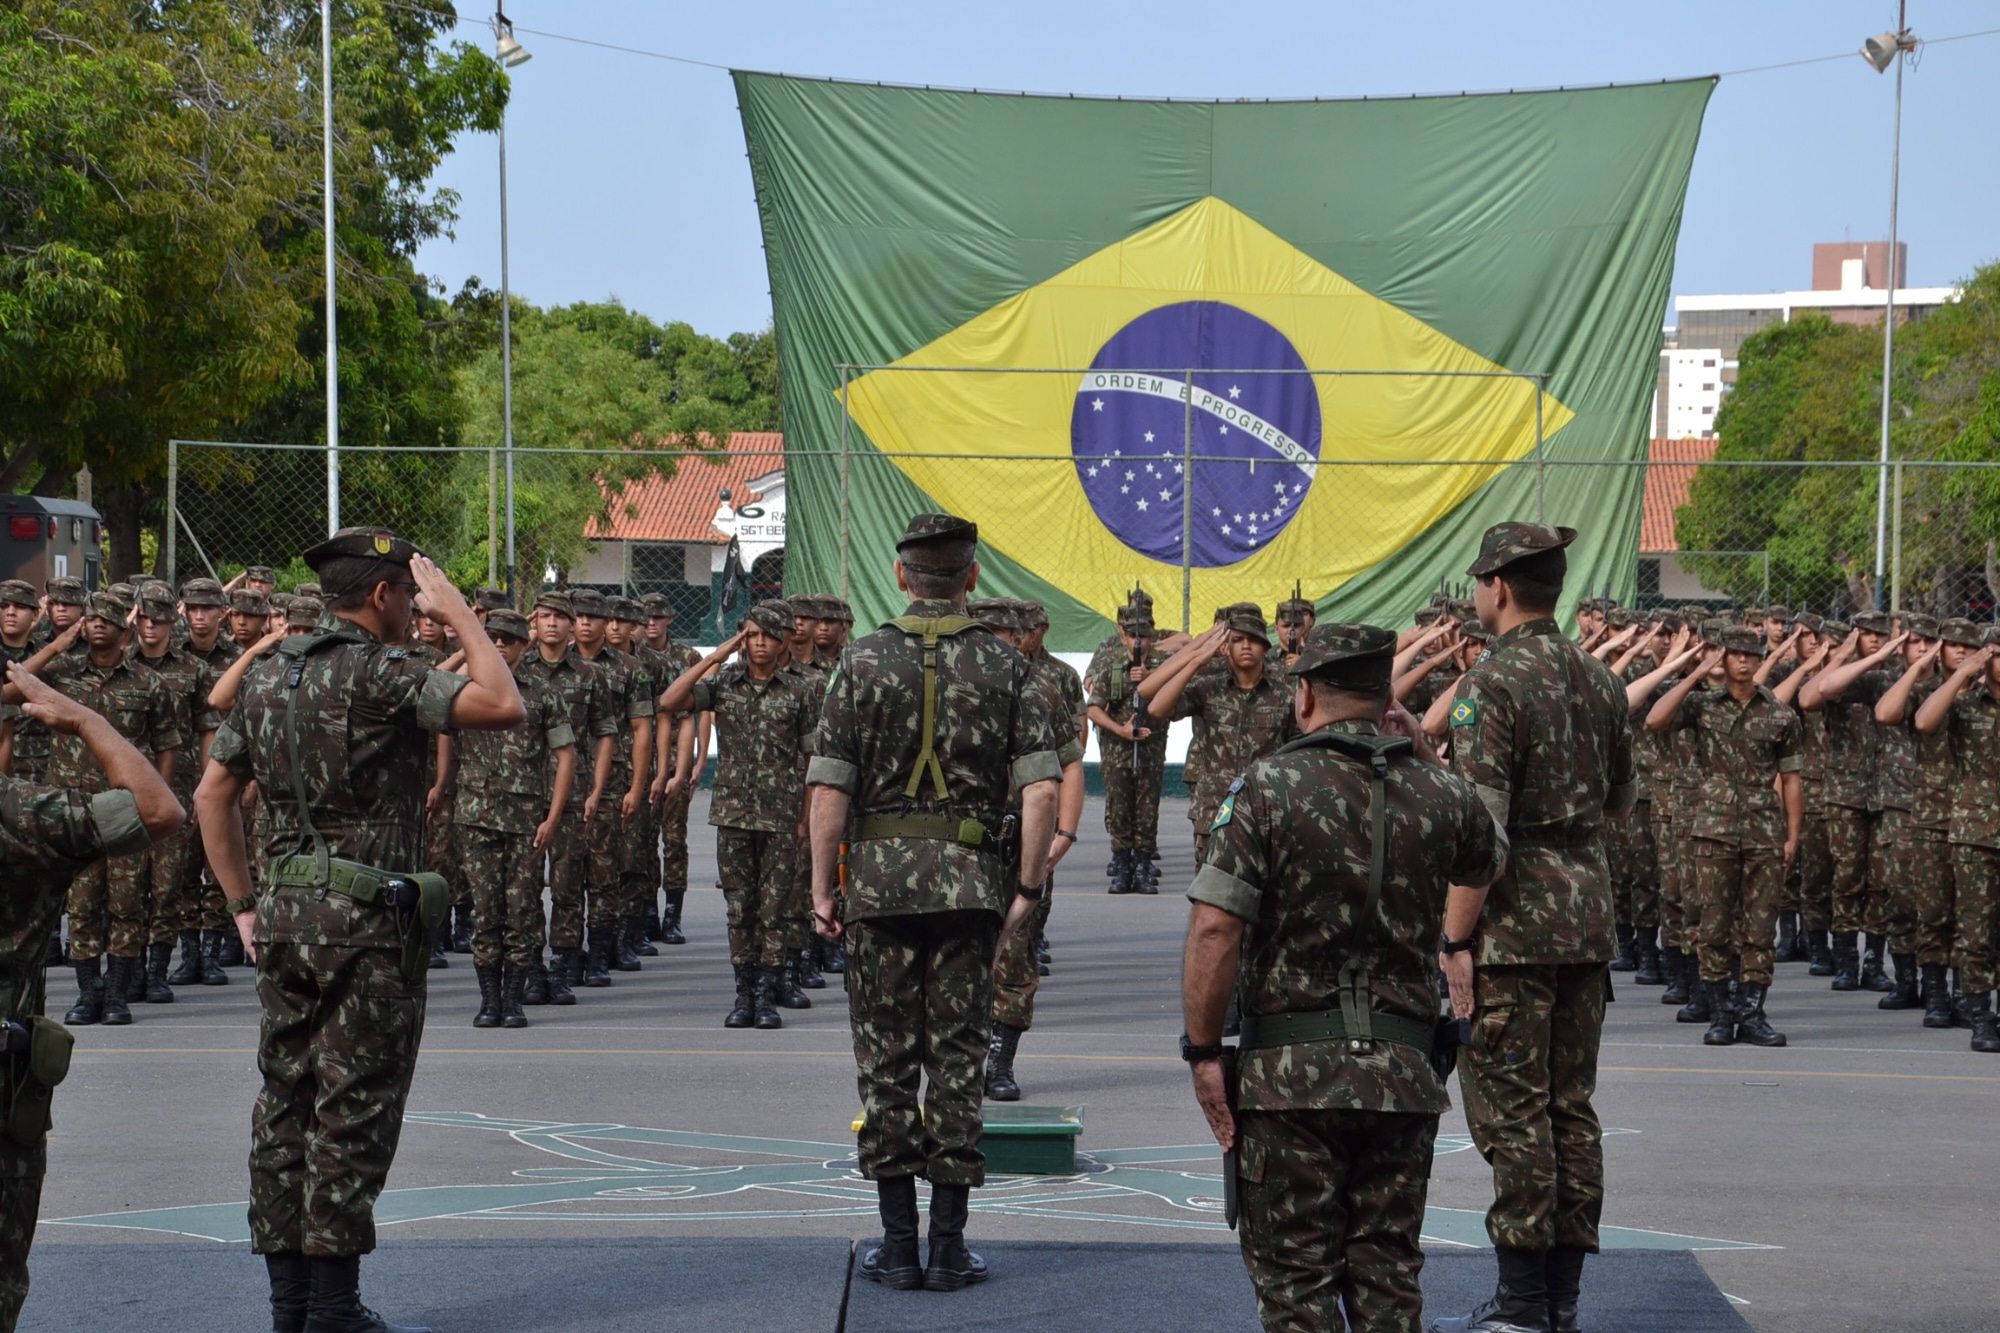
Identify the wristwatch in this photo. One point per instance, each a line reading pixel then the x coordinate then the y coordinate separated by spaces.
pixel 1196 1054
pixel 1446 944
pixel 1065 833
pixel 238 906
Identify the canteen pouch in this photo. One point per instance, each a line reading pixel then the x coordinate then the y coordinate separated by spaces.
pixel 37 1060
pixel 420 901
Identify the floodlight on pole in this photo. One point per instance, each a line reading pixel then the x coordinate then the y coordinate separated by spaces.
pixel 510 54
pixel 1880 51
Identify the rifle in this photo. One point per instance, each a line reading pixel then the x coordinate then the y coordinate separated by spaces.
pixel 1138 705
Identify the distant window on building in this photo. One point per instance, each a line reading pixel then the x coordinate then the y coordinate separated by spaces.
pixel 1708 411
pixel 1708 388
pixel 1709 364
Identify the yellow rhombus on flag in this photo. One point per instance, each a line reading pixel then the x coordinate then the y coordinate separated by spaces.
pixel 1080 475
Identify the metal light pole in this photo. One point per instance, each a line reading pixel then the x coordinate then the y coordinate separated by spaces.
pixel 509 53
pixel 332 343
pixel 1880 51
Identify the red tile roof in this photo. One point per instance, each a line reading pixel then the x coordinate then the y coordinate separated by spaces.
pixel 1670 471
pixel 678 509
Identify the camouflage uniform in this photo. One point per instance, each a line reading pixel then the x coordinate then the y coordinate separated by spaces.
pixel 31 738
pixel 1892 909
pixel 1242 727
pixel 1542 730
pixel 1016 976
pixel 1933 877
pixel 1635 867
pixel 592 713
pixel 923 908
pixel 341 1021
pixel 174 908
pixel 201 898
pixel 1131 801
pixel 1974 728
pixel 46 837
pixel 1853 804
pixel 614 846
pixel 639 877
pixel 1815 853
pixel 1335 1147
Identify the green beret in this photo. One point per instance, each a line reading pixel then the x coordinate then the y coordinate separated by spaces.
pixel 1504 543
pixel 1350 655
pixel 363 544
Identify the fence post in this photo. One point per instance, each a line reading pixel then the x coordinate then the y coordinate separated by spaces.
pixel 173 509
pixel 1541 466
pixel 845 509
pixel 1896 545
pixel 492 520
pixel 1187 505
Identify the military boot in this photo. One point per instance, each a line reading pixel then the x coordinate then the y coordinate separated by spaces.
pixel 1673 968
pixel 745 1011
pixel 832 957
pixel 1906 994
pixel 154 975
pixel 1696 1010
pixel 764 998
pixel 189 972
pixel 809 974
pixel 1648 972
pixel 1121 873
pixel 1000 1084
pixel 1628 950
pixel 643 926
pixel 597 966
pixel 1787 949
pixel 513 981
pixel 625 952
pixel 1563 1270
pixel 1721 1017
pixel 1519 1304
pixel 1819 954
pixel 212 973
pixel 461 928
pixel 670 923
pixel 656 930
pixel 117 986
pixel 1937 997
pixel 232 948
pixel 489 995
pixel 949 1265
pixel 1042 954
pixel 336 1301
pixel 135 978
pixel 1752 1026
pixel 1985 1029
pixel 1872 976
pixel 1961 1003
pixel 559 977
pixel 1846 961
pixel 535 981
pixel 53 956
pixel 893 1263
pixel 89 1006
pixel 788 993
pixel 291 1291
pixel 1146 875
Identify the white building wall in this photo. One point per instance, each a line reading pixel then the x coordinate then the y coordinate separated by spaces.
pixel 1694 392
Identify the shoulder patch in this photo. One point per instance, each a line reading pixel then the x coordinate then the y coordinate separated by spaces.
pixel 397 654
pixel 1227 811
pixel 1465 713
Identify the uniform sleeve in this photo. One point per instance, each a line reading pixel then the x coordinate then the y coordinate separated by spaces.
pixel 704 697
pixel 641 699
pixel 231 748
pixel 204 717
pixel 1790 750
pixel 1622 789
pixel 1482 844
pixel 398 683
pixel 74 827
pixel 1029 748
pixel 811 700
pixel 1482 741
pixel 1238 856
pixel 120 831
pixel 1194 698
pixel 836 749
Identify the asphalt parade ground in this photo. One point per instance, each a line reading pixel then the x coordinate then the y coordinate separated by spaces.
pixel 629 1163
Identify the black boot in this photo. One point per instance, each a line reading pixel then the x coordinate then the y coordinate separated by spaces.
pixel 1696 1008
pixel 643 927
pixel 1872 976
pixel 53 956
pixel 1000 1084
pixel 489 995
pixel 461 928
pixel 153 976
pixel 1145 874
pixel 1985 1030
pixel 833 954
pixel 625 956
pixel 513 981
pixel 1563 1270
pixel 535 982
pixel 1752 1027
pixel 1520 1303
pixel 211 955
pixel 949 1265
pixel 1648 972
pixel 336 1301
pixel 1721 1018
pixel 291 1291
pixel 764 999
pixel 559 976
pixel 1673 970
pixel 809 974
pixel 1819 954
pixel 1905 995
pixel 1628 950
pixel 656 931
pixel 670 923
pixel 1937 997
pixel 893 1263
pixel 117 985
pixel 745 1012
pixel 1846 961
pixel 438 961
pixel 189 972
pixel 231 954
pixel 135 979
pixel 89 1006
pixel 1961 1003
pixel 1121 873
pixel 788 993
pixel 597 968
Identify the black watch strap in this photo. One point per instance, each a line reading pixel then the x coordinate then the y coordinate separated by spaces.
pixel 1195 1054
pixel 1448 945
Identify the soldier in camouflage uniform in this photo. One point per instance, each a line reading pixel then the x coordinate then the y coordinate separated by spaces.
pixel 765 712
pixel 667 660
pixel 1966 708
pixel 639 880
pixel 1296 615
pixel 47 836
pixel 1132 753
pixel 1853 796
pixel 203 925
pixel 67 602
pixel 20 608
pixel 926 724
pixel 513 787
pixel 249 616
pixel 335 739
pixel 1817 642
pixel 613 920
pixel 1541 729
pixel 1333 1127
pixel 1746 833
pixel 1629 848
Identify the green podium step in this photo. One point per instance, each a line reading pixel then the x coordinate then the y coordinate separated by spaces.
pixel 1026 1140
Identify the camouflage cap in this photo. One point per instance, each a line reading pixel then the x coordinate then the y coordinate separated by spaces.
pixel 305 612
pixel 1835 629
pixel 1250 622
pixel 1350 655
pixel 1808 620
pixel 1921 623
pixel 838 609
pixel 1429 616
pixel 589 602
pixel 1752 615
pixel 312 590
pixel 994 613
pixel 490 599
pixel 125 590
pixel 281 602
pixel 657 606
pixel 1872 622
pixel 937 527
pixel 1139 597
pixel 1960 631
pixel 625 609
pixel 203 592
pixel 19 592
pixel 1504 543
pixel 1296 611
pixel 506 620
pixel 558 602
pixel 773 616
pixel 1990 636
pixel 1033 614
pixel 259 574
pixel 807 605
pixel 250 602
pixel 68 592
pixel 1712 628
pixel 1136 619
pixel 109 605
pixel 363 544
pixel 156 602
pixel 1618 618
pixel 1778 612
pixel 1743 639
pixel 1464 611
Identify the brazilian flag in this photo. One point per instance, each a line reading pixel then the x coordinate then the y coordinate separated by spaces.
pixel 1487 274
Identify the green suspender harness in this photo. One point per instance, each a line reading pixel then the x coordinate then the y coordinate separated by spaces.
pixel 1355 1022
pixel 941 827
pixel 415 894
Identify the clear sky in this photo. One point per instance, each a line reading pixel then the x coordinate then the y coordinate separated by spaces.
pixel 627 175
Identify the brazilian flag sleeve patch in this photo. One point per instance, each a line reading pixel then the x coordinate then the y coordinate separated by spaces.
pixel 1227 811
pixel 1465 713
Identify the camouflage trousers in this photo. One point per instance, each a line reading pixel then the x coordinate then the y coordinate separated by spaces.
pixel 569 856
pixel 1679 911
pixel 169 906
pixel 919 992
pixel 337 1049
pixel 1977 882
pixel 1892 903
pixel 614 863
pixel 1933 879
pixel 1850 835
pixel 505 872
pixel 1016 978
pixel 1635 868
pixel 1661 819
pixel 674 836
pixel 758 871
pixel 640 885
pixel 1814 899
pixel 1332 1208
pixel 20 1202
pixel 1738 889
pixel 1527 1081
pixel 441 855
pixel 1132 803
pixel 200 899
pixel 798 903
pixel 115 887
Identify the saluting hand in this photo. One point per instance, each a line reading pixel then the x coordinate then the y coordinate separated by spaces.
pixel 46 704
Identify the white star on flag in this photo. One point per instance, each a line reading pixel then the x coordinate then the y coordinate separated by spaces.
pixel 1165 494
pixel 1149 437
pixel 1235 392
pixel 1124 490
pixel 1097 404
pixel 1142 506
